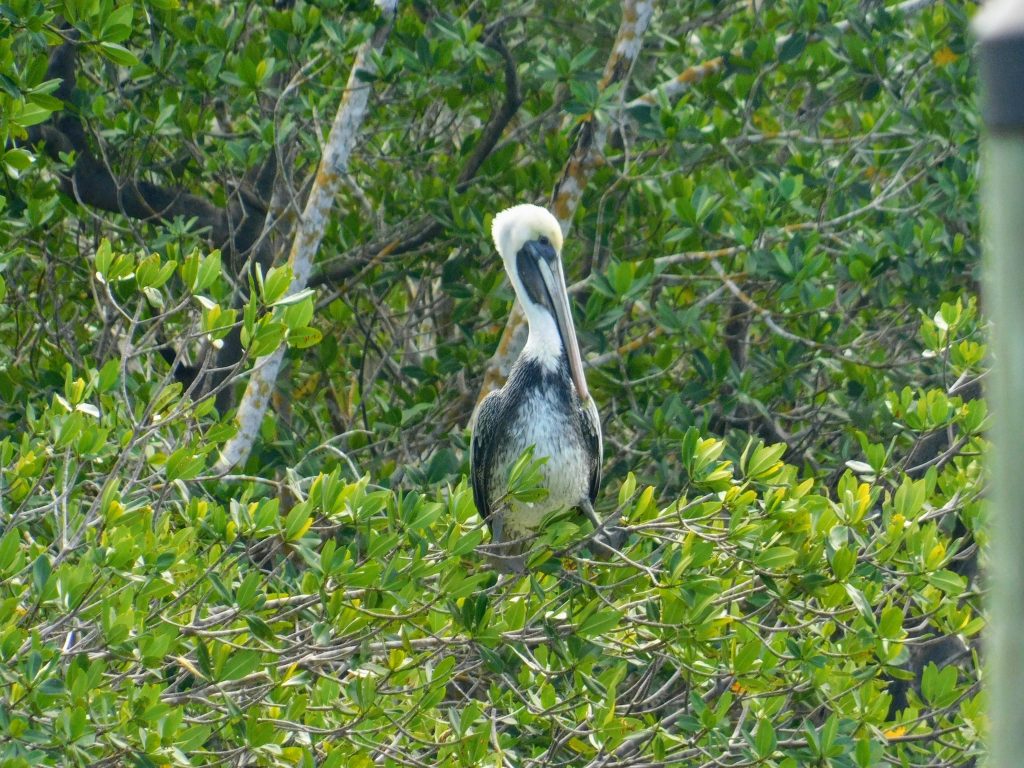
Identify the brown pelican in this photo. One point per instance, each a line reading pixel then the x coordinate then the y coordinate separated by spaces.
pixel 545 403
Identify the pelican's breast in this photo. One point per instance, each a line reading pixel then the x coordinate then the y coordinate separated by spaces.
pixel 543 412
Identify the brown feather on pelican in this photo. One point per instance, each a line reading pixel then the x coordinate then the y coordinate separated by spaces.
pixel 545 404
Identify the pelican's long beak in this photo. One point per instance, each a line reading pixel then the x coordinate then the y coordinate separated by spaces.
pixel 554 282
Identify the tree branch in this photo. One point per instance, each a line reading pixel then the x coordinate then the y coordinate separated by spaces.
pixel 90 181
pixel 333 166
pixel 678 84
pixel 427 228
pixel 496 126
pixel 760 311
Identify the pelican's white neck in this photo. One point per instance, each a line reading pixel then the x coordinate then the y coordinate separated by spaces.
pixel 543 344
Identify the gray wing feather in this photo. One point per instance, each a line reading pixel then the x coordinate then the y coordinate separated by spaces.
pixel 481 447
pixel 593 420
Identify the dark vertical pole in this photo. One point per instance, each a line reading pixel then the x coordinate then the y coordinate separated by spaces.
pixel 1000 30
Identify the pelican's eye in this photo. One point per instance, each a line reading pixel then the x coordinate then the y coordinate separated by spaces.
pixel 543 240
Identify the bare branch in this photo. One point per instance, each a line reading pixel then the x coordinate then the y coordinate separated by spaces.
pixel 426 229
pixel 333 167
pixel 679 84
pixel 763 313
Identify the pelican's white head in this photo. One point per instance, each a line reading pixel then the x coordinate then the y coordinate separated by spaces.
pixel 516 226
pixel 529 240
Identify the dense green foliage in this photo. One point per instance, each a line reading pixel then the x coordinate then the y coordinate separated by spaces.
pixel 775 282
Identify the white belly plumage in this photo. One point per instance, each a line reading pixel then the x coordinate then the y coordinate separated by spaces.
pixel 543 424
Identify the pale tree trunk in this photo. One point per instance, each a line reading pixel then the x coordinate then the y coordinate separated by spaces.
pixel 310 232
pixel 586 155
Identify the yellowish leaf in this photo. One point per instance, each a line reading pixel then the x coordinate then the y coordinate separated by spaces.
pixel 944 57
